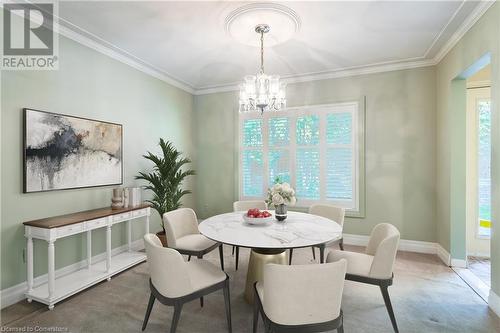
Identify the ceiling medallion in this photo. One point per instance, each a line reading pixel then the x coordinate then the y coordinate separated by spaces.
pixel 285 23
pixel 278 23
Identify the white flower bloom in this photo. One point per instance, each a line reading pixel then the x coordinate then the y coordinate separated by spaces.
pixel 293 201
pixel 278 199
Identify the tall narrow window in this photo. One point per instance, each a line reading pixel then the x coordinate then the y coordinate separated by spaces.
pixel 484 166
pixel 315 149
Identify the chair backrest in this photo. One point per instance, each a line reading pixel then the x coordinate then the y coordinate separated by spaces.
pixel 167 268
pixel 383 245
pixel 303 294
pixel 334 213
pixel 247 204
pixel 179 223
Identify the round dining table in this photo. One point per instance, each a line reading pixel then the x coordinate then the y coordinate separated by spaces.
pixel 269 241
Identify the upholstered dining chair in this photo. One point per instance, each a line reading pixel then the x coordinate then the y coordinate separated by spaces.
pixel 246 205
pixel 174 282
pixel 334 213
pixel 375 266
pixel 181 226
pixel 300 298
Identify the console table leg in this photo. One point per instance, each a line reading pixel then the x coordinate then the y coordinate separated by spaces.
pixel 147 224
pixel 29 262
pixel 108 249
pixel 129 235
pixel 89 249
pixel 51 269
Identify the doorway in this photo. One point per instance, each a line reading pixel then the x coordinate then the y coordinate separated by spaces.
pixel 478 181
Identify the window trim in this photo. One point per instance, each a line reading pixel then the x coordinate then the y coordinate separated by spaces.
pixel 358 144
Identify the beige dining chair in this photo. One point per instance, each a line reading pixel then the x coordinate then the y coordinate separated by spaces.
pixel 174 282
pixel 181 226
pixel 245 205
pixel 333 213
pixel 375 266
pixel 300 298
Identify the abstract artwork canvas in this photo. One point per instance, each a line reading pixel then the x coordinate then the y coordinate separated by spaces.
pixel 64 152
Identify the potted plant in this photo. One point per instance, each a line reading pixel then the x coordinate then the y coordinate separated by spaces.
pixel 165 181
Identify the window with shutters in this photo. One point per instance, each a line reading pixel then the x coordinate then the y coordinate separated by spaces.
pixel 315 149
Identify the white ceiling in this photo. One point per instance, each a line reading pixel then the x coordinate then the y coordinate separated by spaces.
pixel 187 42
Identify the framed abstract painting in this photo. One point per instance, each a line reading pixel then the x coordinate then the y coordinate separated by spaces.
pixel 66 152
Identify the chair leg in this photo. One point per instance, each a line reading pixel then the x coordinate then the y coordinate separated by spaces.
pixel 189 257
pixel 314 252
pixel 388 305
pixel 290 257
pixel 341 328
pixel 237 256
pixel 322 253
pixel 175 319
pixel 227 302
pixel 341 244
pixel 148 311
pixel 221 256
pixel 201 301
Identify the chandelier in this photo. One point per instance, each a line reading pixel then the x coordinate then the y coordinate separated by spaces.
pixel 262 91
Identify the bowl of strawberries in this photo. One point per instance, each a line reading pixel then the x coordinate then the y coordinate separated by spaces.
pixel 257 216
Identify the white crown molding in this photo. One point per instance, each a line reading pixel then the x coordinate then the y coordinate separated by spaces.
pixel 440 33
pixel 86 38
pixel 112 51
pixel 340 73
pixel 469 22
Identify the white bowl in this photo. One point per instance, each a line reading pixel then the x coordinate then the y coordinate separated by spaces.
pixel 257 220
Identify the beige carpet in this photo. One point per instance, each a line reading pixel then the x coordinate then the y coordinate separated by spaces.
pixel 427 297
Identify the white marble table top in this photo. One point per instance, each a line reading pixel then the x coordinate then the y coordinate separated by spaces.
pixel 299 230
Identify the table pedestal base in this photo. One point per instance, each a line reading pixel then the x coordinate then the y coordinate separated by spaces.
pixel 258 259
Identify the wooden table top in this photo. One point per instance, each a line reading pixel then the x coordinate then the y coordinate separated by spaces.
pixel 63 220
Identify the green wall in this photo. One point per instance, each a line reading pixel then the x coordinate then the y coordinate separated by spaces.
pixel 482 38
pixel 92 85
pixel 400 147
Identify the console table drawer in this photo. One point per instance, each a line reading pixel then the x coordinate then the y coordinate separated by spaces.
pixel 94 224
pixel 142 212
pixel 69 230
pixel 122 217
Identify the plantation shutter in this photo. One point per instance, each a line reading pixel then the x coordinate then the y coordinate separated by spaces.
pixel 339 156
pixel 279 154
pixel 252 158
pixel 315 150
pixel 307 158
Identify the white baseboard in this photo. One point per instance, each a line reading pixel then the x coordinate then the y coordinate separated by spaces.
pixel 460 263
pixel 404 244
pixel 494 303
pixel 15 293
pixel 443 255
pixel 412 246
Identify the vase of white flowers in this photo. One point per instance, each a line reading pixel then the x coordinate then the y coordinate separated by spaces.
pixel 281 195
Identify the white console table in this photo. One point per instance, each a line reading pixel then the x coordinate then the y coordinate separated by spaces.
pixel 53 228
